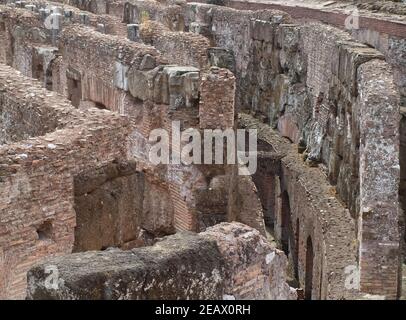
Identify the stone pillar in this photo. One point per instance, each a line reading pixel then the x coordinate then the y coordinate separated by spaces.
pixel 68 14
pixel 378 228
pixel 83 18
pixel 101 28
pixel 54 23
pixel 43 13
pixel 133 32
pixel 217 96
pixel 101 7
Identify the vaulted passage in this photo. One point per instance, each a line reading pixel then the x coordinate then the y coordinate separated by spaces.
pixel 296 256
pixel 74 87
pixel 286 223
pixel 323 104
pixel 309 269
pixel 117 207
pixel 108 205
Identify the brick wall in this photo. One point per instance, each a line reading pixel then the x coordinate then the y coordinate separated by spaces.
pixel 182 48
pixel 37 216
pixel 171 16
pixel 312 202
pixel 217 94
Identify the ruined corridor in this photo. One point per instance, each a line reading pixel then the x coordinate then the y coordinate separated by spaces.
pixel 216 150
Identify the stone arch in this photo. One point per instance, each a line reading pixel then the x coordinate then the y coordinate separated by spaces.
pixel 309 269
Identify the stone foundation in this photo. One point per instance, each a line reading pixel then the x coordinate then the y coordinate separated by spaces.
pixel 228 260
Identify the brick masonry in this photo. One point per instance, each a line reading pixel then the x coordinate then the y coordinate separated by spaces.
pixel 306 81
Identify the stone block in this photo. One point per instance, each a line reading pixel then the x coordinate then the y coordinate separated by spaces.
pixel 133 32
pixel 221 58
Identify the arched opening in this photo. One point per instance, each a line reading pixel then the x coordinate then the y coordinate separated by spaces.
pixel 100 105
pixel 309 269
pixel 265 180
pixel 38 71
pixel 108 201
pixel 48 78
pixel 285 222
pixel 74 84
pixel 296 258
pixel 45 230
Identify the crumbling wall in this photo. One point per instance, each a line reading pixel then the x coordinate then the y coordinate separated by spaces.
pixel 69 12
pixel 286 75
pixel 138 85
pixel 37 216
pixel 23 35
pixel 158 212
pixel 232 30
pixel 384 32
pixel 108 206
pixel 156 95
pixel 182 48
pixel 3 41
pixel 217 99
pixel 99 7
pixel 312 210
pixel 171 16
pixel 212 202
pixel 244 204
pixel 255 270
pixel 102 64
pixel 227 261
pixel 95 6
pixel 31 40
pixel 300 80
pixel 20 120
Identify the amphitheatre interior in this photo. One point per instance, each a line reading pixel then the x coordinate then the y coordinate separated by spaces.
pixel 84 83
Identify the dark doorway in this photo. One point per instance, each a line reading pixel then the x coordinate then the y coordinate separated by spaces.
pixel 296 258
pixel 48 78
pixel 100 105
pixel 38 71
pixel 285 222
pixel 74 91
pixel 309 269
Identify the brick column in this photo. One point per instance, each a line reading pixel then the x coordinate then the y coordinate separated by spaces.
pixel 379 236
pixel 217 93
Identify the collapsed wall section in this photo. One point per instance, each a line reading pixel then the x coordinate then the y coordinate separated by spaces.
pixel 302 80
pixel 305 203
pixel 99 65
pixel 286 77
pixel 182 48
pixel 154 95
pixel 37 216
pixel 170 15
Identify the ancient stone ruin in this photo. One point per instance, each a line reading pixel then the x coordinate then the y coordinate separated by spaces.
pixel 86 213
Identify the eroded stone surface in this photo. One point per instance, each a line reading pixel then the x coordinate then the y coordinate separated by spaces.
pixel 324 101
pixel 228 260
